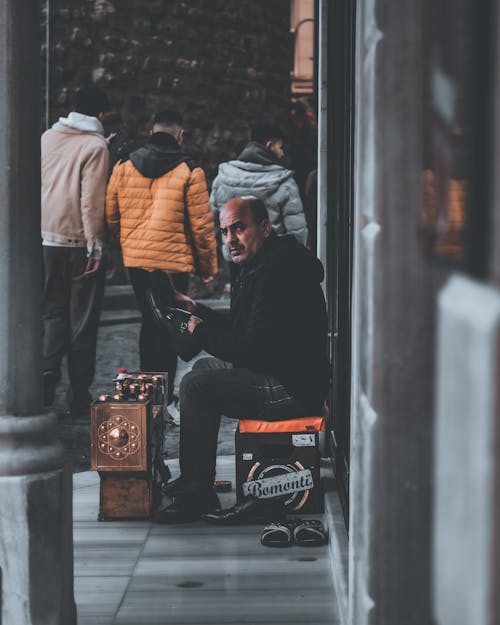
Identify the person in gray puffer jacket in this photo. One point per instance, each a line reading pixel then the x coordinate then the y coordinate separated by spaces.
pixel 257 172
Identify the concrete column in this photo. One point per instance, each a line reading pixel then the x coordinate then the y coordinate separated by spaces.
pixel 393 329
pixel 465 530
pixel 35 497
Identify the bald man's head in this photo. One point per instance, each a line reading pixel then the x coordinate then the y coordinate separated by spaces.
pixel 254 204
pixel 245 226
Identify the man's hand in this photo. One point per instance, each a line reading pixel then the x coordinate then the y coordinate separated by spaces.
pixel 193 322
pixel 184 301
pixel 92 267
pixel 207 280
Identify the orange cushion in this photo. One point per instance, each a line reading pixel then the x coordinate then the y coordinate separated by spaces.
pixel 305 424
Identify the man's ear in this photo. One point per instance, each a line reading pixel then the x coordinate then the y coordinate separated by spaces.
pixel 269 144
pixel 100 116
pixel 266 227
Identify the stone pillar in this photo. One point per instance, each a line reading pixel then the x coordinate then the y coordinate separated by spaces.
pixel 35 497
pixel 466 468
pixel 393 327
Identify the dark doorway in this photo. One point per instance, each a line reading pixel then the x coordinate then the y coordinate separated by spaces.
pixel 340 124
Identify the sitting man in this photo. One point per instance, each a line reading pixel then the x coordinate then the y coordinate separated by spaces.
pixel 270 353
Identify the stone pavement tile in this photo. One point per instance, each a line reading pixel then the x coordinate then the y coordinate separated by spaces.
pixel 105 560
pixel 204 544
pixel 196 604
pixel 246 563
pixel 197 528
pixel 84 479
pixel 98 598
pixel 86 504
pixel 127 524
pixel 109 534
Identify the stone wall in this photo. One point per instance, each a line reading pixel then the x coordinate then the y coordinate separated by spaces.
pixel 223 63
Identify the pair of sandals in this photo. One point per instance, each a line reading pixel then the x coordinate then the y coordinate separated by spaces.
pixel 303 532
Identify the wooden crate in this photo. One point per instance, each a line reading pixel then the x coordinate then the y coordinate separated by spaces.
pixel 125 497
pixel 127 444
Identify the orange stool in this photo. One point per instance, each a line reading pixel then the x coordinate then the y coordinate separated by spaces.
pixel 304 424
pixel 281 457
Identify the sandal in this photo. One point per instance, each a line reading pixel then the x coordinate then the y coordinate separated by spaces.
pixel 309 533
pixel 277 535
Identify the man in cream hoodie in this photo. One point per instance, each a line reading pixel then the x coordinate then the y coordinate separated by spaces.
pixel 75 165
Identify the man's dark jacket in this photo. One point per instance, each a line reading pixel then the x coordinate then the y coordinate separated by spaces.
pixel 278 321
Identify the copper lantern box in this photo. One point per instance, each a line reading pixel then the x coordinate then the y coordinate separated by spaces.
pixel 127 443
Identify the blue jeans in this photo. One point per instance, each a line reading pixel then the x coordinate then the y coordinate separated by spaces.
pixel 214 388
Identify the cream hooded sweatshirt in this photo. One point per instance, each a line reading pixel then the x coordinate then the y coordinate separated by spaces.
pixel 75 161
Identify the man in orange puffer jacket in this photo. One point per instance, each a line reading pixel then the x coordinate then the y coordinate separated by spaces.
pixel 158 205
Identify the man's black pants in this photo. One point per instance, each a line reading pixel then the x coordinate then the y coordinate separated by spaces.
pixel 214 388
pixel 156 349
pixel 72 307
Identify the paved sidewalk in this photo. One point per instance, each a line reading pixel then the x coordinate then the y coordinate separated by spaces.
pixel 143 573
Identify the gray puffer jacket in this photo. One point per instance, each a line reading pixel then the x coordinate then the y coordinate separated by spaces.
pixel 257 172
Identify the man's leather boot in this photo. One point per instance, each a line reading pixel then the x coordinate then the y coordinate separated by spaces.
pixel 189 506
pixel 249 510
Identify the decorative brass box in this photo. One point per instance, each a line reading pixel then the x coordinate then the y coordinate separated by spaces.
pixel 127 448
pixel 119 436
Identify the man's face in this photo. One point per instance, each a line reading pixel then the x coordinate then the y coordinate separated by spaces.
pixel 276 146
pixel 241 235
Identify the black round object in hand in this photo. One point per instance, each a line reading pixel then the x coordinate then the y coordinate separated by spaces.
pixel 176 320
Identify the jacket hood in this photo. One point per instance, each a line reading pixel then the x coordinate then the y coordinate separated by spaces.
pixel 78 121
pixel 255 152
pixel 285 251
pixel 255 178
pixel 160 155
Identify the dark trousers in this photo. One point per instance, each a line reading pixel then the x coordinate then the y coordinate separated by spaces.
pixel 214 388
pixel 156 350
pixel 72 307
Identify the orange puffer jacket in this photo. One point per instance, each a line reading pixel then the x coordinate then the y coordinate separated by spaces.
pixel 163 221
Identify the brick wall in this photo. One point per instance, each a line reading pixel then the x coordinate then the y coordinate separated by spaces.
pixel 222 62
